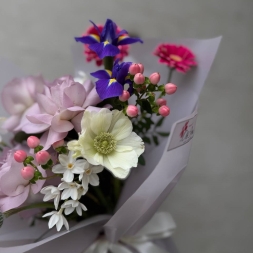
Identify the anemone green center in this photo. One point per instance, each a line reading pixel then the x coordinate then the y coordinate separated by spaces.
pixel 104 143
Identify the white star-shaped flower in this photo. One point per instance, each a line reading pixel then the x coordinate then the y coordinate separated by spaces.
pixel 69 166
pixel 90 176
pixel 57 219
pixel 51 192
pixel 73 190
pixel 70 205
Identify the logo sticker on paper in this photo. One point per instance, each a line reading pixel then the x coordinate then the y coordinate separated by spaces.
pixel 183 132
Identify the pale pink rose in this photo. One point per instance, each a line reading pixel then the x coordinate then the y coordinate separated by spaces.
pixel 59 109
pixel 14 190
pixel 18 98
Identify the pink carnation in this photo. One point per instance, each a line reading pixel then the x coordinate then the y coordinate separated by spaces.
pixel 14 190
pixel 174 56
pixel 60 109
pixel 18 99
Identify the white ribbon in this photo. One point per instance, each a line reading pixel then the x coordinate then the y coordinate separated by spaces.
pixel 160 226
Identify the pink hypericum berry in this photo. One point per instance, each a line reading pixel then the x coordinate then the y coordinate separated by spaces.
pixel 33 142
pixel 154 78
pixel 20 156
pixel 134 69
pixel 164 110
pixel 141 68
pixel 27 172
pixel 58 144
pixel 132 111
pixel 161 101
pixel 170 88
pixel 42 157
pixel 139 78
pixel 125 96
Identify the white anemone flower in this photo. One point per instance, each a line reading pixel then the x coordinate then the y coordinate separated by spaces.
pixel 51 192
pixel 107 139
pixel 72 190
pixel 90 176
pixel 69 166
pixel 57 219
pixel 70 205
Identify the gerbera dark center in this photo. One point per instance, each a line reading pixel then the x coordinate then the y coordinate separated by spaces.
pixel 104 143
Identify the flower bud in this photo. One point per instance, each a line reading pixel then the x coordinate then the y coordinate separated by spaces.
pixel 161 101
pixel 27 172
pixel 139 78
pixel 154 78
pixel 141 68
pixel 20 156
pixel 33 142
pixel 42 157
pixel 164 110
pixel 125 96
pixel 170 88
pixel 134 69
pixel 58 144
pixel 132 111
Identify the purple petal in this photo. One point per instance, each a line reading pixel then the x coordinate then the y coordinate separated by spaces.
pixel 123 72
pixel 95 27
pixel 126 40
pixel 88 39
pixel 102 49
pixel 109 31
pixel 102 74
pixel 105 89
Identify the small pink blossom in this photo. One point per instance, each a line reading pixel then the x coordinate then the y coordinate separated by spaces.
pixel 20 156
pixel 33 141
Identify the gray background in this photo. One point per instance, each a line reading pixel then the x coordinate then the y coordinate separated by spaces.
pixel 212 204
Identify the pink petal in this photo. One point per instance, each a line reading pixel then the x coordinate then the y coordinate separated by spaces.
pixel 76 121
pixel 76 93
pixel 50 137
pixel 12 122
pixel 60 126
pixel 40 118
pixel 47 104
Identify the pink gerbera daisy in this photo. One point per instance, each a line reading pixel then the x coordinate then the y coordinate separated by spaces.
pixel 176 57
pixel 91 55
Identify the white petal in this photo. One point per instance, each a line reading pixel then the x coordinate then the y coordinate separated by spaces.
pixel 66 194
pixel 125 160
pixel 69 210
pixel 94 179
pixel 133 141
pixel 79 210
pixel 49 214
pixel 68 176
pixel 74 194
pixel 83 206
pixel 101 121
pixel 122 129
pixel 48 197
pixel 59 224
pixel 117 172
pixel 97 169
pixel 85 181
pixel 56 201
pixel 63 186
pixel 65 222
pixel 64 160
pixel 58 169
pixel 53 220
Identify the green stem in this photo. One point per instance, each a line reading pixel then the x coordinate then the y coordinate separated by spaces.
pixel 108 62
pixel 35 205
pixel 170 75
pixel 117 188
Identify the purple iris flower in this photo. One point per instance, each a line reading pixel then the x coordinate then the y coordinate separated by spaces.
pixel 111 83
pixel 107 42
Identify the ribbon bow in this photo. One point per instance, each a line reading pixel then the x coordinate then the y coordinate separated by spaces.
pixel 160 226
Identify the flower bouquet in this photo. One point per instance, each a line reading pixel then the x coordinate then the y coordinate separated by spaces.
pixel 95 156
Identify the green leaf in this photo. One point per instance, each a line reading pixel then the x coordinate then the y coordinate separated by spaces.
pixel 165 134
pixel 141 160
pixel 155 139
pixel 159 122
pixel 146 106
pixel 146 139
